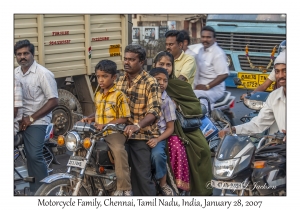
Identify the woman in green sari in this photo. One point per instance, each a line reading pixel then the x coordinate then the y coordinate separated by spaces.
pixel 197 149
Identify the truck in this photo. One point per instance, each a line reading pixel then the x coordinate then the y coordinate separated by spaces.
pixel 250 42
pixel 70 46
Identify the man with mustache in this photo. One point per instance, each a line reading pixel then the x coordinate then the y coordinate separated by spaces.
pixel 144 99
pixel 212 68
pixel 40 97
pixel 273 114
pixel 184 65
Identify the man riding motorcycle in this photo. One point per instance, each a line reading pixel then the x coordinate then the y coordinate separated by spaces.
pixel 272 115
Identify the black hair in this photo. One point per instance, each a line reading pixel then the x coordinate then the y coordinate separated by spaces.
pixel 155 71
pixel 24 43
pixel 107 66
pixel 209 28
pixel 179 36
pixel 162 54
pixel 137 49
pixel 186 36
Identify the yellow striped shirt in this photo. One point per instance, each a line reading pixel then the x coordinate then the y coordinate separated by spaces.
pixel 111 106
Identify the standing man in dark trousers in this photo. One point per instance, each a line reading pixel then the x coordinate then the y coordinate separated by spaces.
pixel 39 98
pixel 144 103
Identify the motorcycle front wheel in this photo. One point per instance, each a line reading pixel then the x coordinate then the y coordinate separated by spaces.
pixel 61 187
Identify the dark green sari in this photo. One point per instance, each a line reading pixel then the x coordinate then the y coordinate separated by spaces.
pixel 197 149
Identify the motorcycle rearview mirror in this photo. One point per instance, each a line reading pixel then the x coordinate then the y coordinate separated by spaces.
pixel 238 81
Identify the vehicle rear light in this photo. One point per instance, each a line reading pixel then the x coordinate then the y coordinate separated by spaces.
pixel 231 104
pixel 51 134
pixel 101 169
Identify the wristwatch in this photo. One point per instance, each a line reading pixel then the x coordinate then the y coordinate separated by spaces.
pixel 137 125
pixel 207 86
pixel 31 119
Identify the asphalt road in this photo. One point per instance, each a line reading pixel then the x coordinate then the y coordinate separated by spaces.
pixel 239 111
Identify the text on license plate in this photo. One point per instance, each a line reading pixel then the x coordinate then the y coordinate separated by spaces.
pixel 227 185
pixel 252 81
pixel 77 163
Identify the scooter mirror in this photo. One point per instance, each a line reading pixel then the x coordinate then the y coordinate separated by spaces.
pixel 237 81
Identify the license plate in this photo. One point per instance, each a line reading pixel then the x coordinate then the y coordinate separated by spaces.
pixel 227 185
pixel 252 81
pixel 77 163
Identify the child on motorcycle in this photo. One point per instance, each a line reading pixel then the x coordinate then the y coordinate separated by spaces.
pixel 112 107
pixel 166 127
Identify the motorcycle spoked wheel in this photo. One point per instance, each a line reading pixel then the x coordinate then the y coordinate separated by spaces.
pixel 62 185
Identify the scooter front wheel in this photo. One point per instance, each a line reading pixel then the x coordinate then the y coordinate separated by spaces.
pixel 61 187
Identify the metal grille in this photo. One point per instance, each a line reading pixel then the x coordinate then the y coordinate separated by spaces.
pixel 47 156
pixel 256 61
pixel 256 42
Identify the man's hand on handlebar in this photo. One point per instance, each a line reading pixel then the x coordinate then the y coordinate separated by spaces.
pixel 87 120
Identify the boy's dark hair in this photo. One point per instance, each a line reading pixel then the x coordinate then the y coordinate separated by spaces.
pixel 155 71
pixel 107 66
pixel 209 28
pixel 179 36
pixel 186 36
pixel 24 43
pixel 137 49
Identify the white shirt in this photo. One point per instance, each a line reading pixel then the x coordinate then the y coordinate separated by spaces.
pixel 193 50
pixel 38 86
pixel 272 76
pixel 211 62
pixel 272 115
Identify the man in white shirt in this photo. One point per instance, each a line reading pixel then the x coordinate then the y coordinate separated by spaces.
pixel 212 68
pixel 39 98
pixel 272 115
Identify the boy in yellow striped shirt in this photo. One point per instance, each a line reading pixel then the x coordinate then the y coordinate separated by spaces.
pixel 112 107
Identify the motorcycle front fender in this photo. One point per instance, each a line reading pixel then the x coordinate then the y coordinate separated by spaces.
pixel 54 177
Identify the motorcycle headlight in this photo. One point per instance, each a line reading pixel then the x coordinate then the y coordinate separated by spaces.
pixel 72 141
pixel 253 104
pixel 224 169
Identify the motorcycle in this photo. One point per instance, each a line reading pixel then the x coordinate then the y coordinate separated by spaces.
pixel 253 101
pixel 21 178
pixel 90 168
pixel 210 127
pixel 250 166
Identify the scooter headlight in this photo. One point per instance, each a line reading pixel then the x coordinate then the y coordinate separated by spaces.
pixel 253 104
pixel 72 141
pixel 224 169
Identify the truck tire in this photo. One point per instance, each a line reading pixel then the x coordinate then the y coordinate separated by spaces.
pixel 62 116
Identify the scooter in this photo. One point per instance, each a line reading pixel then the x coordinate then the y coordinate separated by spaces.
pixel 21 178
pixel 253 101
pixel 249 166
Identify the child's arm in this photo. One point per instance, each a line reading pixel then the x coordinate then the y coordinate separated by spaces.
pixel 121 120
pixel 89 119
pixel 168 132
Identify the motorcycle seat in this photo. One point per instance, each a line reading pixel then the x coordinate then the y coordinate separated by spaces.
pixel 18 140
pixel 226 93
